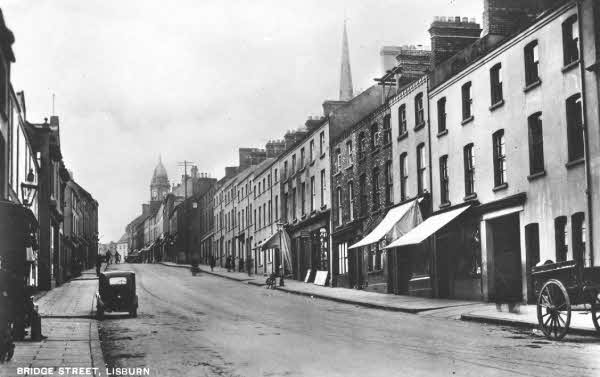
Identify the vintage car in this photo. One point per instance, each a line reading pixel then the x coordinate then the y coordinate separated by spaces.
pixel 116 293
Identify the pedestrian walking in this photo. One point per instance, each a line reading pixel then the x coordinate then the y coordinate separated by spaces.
pixel 212 262
pixel 117 257
pixel 241 264
pixel 228 263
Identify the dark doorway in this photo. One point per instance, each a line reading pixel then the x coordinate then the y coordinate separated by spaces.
pixel 446 251
pixel 532 243
pixel 507 259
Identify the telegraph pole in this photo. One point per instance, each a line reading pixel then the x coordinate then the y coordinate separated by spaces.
pixel 185 164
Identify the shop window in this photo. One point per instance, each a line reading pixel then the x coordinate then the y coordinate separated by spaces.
pixel 467 101
pixel 532 63
pixel 570 31
pixel 536 144
pixel 469 166
pixel 441 114
pixel 575 128
pixel 402 120
pixel 444 180
pixel 561 237
pixel 343 258
pixel 496 83
pixel 578 231
pixel 499 158
pixel 403 176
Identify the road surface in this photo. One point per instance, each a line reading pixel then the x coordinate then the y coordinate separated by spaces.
pixel 210 326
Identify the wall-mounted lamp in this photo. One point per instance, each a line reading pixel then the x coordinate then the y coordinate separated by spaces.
pixel 29 190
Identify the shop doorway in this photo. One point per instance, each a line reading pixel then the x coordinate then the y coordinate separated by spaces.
pixel 507 258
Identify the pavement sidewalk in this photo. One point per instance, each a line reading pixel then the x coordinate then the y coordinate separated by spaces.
pixel 581 322
pixel 72 333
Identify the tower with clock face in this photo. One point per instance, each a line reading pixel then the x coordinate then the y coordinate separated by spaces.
pixel 159 186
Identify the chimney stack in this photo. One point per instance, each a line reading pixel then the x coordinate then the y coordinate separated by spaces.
pixel 449 36
pixel 504 17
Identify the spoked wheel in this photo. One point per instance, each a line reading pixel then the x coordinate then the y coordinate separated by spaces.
pixel 554 310
pixel 596 316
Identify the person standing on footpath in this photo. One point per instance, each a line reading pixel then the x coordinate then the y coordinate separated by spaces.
pixel 212 262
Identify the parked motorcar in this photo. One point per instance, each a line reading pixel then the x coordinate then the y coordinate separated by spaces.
pixel 116 293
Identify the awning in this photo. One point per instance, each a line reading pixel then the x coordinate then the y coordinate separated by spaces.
pixel 207 236
pixel 408 214
pixel 427 228
pixel 271 242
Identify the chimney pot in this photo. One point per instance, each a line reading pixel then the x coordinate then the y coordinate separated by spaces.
pixel 457 19
pixel 442 19
pixel 436 18
pixel 465 20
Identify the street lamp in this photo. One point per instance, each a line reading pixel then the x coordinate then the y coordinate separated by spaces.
pixel 29 190
pixel 279 230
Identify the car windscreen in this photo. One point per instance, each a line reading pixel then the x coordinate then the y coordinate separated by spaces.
pixel 120 280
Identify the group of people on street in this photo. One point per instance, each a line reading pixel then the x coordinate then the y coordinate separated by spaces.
pixel 230 263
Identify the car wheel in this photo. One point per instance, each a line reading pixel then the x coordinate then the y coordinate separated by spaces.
pixel 133 313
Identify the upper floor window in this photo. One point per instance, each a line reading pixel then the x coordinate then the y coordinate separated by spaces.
pixel 496 83
pixel 444 180
pixel 302 158
pixel 403 176
pixel 570 29
pixel 323 186
pixel 311 150
pixel 419 112
pixel 561 237
pixel 421 169
pixel 275 177
pixel 578 236
pixel 402 119
pixel 303 197
pixel 338 160
pixel 499 158
pixel 532 63
pixel 387 131
pixel 313 194
pixel 351 200
pixel 469 161
pixel 362 191
pixel 375 185
pixel 285 169
pixel 389 185
pixel 293 164
pixel 362 145
pixel 340 210
pixel 441 114
pixel 536 144
pixel 374 136
pixel 322 142
pixel 467 101
pixel 575 128
pixel 350 152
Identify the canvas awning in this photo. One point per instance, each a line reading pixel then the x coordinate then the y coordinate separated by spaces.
pixel 427 228
pixel 271 242
pixel 397 221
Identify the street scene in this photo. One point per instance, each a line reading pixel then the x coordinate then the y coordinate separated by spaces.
pixel 333 188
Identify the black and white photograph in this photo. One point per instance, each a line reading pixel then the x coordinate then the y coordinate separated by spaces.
pixel 300 188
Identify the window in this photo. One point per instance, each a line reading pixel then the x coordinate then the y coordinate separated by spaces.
pixel 323 186
pixel 285 169
pixel 350 152
pixel 312 194
pixel 284 209
pixel 259 217
pixel 340 211
pixel 536 144
pixel 275 178
pixel 575 128
pixel 293 164
pixel 259 188
pixel 303 193
pixel 532 243
pixel 362 145
pixel 469 160
pixel 532 63
pixel 496 83
pixel 301 158
pixel 4 79
pixel 270 212
pixel 570 29
pixel 374 136
pixel 402 120
pixel 578 230
pixel 499 158
pixel 444 181
pixel 362 190
pixel 561 237
pixel 375 184
pixel 441 113
pixel 311 150
pixel 343 258
pixel 419 114
pixel 276 208
pixel 351 200
pixel 389 186
pixel 322 142
pixel 338 160
pixel 264 214
pixel 403 176
pixel 294 198
pixel 467 101
pixel 421 169
pixel 387 131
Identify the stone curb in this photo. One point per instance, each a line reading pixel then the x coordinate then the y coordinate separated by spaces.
pixel 518 323
pixel 241 280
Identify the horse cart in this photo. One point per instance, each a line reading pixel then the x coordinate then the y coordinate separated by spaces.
pixel 562 288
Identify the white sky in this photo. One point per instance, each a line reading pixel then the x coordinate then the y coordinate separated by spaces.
pixel 137 78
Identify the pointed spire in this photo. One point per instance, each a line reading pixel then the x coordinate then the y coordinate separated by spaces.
pixel 346 93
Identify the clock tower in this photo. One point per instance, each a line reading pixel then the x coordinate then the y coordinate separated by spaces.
pixel 159 186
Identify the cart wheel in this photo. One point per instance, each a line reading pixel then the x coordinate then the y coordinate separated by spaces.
pixel 596 316
pixel 554 310
pixel 100 314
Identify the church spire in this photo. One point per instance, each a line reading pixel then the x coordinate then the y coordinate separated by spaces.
pixel 346 75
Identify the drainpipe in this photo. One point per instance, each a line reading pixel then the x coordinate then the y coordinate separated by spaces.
pixel 434 268
pixel 588 188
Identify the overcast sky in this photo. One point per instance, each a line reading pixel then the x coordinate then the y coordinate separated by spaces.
pixel 137 78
